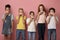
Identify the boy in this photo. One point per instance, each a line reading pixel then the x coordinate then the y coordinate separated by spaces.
pixel 20 24
pixel 31 26
pixel 7 22
pixel 52 21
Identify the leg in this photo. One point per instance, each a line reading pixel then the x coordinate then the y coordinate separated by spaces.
pixel 17 34
pixel 33 36
pixel 49 34
pixel 9 32
pixel 43 31
pixel 39 31
pixel 54 34
pixel 5 37
pixel 23 34
pixel 29 35
pixel 9 37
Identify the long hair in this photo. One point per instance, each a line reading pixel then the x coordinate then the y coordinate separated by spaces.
pixel 42 6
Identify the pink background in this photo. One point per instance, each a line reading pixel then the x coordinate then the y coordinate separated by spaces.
pixel 28 5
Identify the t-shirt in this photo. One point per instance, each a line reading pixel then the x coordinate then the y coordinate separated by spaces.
pixel 52 23
pixel 21 25
pixel 31 27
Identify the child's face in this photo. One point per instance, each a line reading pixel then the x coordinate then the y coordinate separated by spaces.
pixel 20 12
pixel 32 15
pixel 52 12
pixel 7 10
pixel 41 8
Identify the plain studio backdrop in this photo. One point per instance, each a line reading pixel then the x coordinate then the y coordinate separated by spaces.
pixel 28 5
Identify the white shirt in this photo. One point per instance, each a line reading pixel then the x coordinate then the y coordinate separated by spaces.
pixel 52 23
pixel 31 27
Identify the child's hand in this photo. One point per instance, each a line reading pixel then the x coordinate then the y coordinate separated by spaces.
pixel 11 30
pixel 54 14
pixel 31 19
pixel 40 13
pixel 5 16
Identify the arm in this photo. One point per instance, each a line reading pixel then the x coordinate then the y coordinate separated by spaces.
pixel 37 18
pixel 12 26
pixel 24 19
pixel 30 21
pixel 35 23
pixel 12 21
pixel 4 17
pixel 17 19
pixel 48 19
pixel 56 19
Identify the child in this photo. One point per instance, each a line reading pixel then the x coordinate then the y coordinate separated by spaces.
pixel 41 20
pixel 31 26
pixel 7 22
pixel 20 24
pixel 52 21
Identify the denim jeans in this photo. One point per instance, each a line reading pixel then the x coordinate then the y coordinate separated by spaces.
pixel 52 32
pixel 31 35
pixel 18 32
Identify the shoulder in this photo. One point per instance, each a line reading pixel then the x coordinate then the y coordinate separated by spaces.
pixel 47 16
pixel 11 14
pixel 25 17
pixel 16 17
pixel 28 18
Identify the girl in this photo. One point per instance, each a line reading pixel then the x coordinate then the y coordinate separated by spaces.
pixel 41 20
pixel 7 22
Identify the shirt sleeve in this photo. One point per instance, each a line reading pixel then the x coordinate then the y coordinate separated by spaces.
pixel 16 17
pixel 47 18
pixel 27 21
pixel 12 17
pixel 3 16
pixel 25 17
pixel 57 18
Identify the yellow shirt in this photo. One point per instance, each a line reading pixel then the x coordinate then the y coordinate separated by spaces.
pixel 21 25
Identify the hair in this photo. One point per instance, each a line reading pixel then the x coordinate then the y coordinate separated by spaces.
pixel 7 6
pixel 31 12
pixel 42 6
pixel 21 9
pixel 52 9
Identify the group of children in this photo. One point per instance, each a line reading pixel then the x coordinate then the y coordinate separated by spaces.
pixel 32 23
